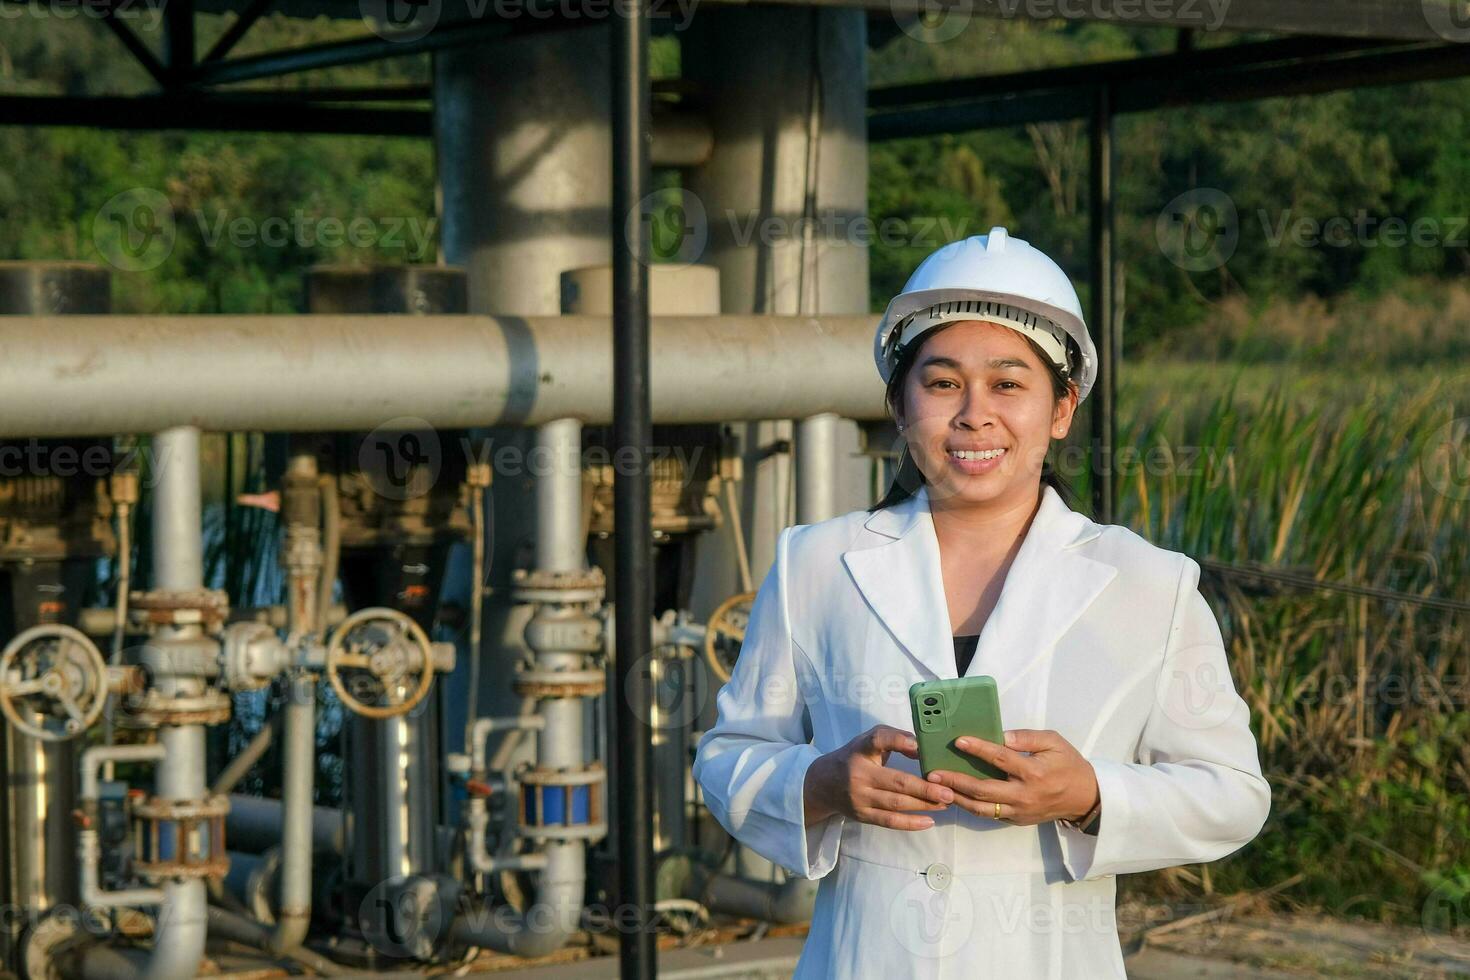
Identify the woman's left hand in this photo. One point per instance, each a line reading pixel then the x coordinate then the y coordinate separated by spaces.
pixel 1052 782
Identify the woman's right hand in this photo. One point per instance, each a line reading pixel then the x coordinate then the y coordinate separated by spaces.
pixel 856 782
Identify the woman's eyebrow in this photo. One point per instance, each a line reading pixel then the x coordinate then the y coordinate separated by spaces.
pixel 938 360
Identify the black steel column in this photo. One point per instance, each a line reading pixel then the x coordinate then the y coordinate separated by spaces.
pixel 632 432
pixel 1104 333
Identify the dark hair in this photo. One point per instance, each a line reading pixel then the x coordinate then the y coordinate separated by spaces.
pixel 909 477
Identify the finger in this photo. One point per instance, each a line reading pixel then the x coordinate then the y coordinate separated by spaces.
pixel 895 821
pixel 885 738
pixel 911 785
pixel 880 799
pixel 982 808
pixel 1033 739
pixel 1004 759
pixel 988 790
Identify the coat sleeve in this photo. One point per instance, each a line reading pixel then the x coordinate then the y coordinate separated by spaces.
pixel 752 764
pixel 1195 793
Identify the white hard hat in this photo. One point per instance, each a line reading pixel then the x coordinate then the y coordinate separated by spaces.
pixel 996 278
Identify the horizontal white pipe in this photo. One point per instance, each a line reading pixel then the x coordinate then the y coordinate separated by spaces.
pixel 102 375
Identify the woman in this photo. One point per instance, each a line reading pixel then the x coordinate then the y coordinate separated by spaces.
pixel 1127 747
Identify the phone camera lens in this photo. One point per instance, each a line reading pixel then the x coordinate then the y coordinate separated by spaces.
pixel 931 702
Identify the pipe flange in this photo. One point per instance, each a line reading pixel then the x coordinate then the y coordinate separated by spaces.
pixel 558 832
pixel 589 775
pixel 152 709
pixel 537 585
pixel 180 607
pixel 155 872
pixel 154 808
pixel 559 683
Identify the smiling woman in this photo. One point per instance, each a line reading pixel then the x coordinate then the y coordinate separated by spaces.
pixel 1126 746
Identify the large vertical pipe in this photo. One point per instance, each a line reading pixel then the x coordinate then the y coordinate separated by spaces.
pixel 178 564
pixel 1104 401
pixel 523 201
pixel 816 468
pixel 785 197
pixel 561 540
pixel 632 432
pixel 178 547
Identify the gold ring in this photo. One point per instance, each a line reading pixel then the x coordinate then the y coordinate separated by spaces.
pixel 997 811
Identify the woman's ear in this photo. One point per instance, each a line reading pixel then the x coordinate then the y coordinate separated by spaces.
pixel 1062 415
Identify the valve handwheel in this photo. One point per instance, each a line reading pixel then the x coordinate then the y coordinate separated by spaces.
pixel 391 651
pixel 54 672
pixel 726 626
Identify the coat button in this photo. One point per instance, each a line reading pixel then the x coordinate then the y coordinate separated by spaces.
pixel 937 875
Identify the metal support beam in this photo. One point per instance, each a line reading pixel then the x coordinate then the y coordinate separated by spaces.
pixel 1236 73
pixel 214 112
pixel 1104 331
pixel 136 48
pixel 632 499
pixel 243 22
pixel 178 42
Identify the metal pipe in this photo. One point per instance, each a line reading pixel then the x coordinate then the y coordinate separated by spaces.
pixel 484 726
pixel 89 848
pixel 556 462
pixel 789 901
pixel 178 564
pixel 94 375
pixel 816 477
pixel 178 544
pixel 231 775
pixel 238 928
pixel 1102 271
pixel 255 824
pixel 299 772
pixel 632 433
pixel 179 937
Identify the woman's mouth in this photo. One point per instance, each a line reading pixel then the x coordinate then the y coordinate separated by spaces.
pixel 974 461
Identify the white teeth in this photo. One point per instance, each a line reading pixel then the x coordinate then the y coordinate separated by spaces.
pixel 974 454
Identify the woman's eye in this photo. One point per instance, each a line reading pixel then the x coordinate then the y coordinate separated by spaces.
pixel 1012 383
pixel 942 381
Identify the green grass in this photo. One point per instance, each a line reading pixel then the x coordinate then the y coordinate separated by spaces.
pixel 1358 702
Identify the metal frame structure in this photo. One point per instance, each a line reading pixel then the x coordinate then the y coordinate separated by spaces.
pixel 1353 43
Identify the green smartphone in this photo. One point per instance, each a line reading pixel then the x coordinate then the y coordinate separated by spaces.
pixel 946 709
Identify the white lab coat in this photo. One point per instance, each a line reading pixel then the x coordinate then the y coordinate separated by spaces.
pixel 1097 634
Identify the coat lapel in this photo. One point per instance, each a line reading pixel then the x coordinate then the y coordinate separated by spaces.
pixel 1047 588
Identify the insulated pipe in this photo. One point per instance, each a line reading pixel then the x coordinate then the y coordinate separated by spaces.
pixel 98 375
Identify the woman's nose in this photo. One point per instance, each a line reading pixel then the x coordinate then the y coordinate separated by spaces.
pixel 974 409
